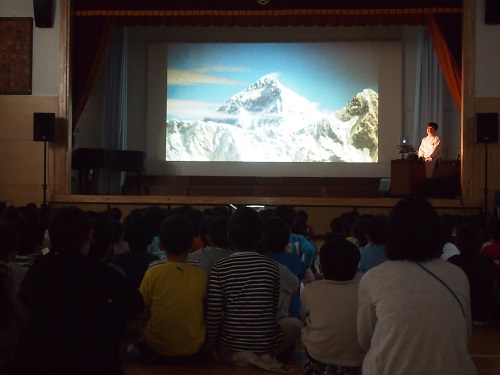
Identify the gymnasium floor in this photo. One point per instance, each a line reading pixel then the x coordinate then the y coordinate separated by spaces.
pixel 484 348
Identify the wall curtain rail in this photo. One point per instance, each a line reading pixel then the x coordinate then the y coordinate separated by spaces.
pixel 279 12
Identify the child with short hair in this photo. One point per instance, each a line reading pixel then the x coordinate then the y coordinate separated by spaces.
pixel 329 310
pixel 243 296
pixel 174 293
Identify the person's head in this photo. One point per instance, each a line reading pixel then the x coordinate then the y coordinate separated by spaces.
pixel 276 235
pixel 176 235
pixel 300 225
pixel 7 244
pixel 337 225
pixel 286 213
pixel 30 231
pixel 414 231
pixel 375 229
pixel 432 128
pixel 245 229
pixel 134 233
pixel 101 246
pixel 348 219
pixel 358 230
pixel 217 232
pixel 470 237
pixel 70 231
pixel 153 216
pixel 339 259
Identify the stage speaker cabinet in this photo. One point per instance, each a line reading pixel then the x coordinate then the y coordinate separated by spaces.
pixel 44 127
pixel 44 13
pixel 487 127
pixel 492 12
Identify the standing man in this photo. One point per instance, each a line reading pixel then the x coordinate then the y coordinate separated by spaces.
pixel 430 149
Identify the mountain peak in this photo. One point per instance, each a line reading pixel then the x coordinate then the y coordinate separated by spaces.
pixel 268 80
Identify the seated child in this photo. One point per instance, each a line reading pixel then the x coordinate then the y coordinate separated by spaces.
pixel 276 238
pixel 12 311
pixel 174 294
pixel 218 244
pixel 329 311
pixel 242 299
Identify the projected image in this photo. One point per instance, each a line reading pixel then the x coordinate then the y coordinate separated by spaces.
pixel 272 102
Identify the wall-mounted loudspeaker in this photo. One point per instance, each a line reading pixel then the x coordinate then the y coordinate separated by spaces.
pixel 44 13
pixel 487 127
pixel 492 12
pixel 44 127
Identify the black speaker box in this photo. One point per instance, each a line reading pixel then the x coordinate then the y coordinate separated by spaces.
pixel 487 127
pixel 44 127
pixel 44 13
pixel 492 12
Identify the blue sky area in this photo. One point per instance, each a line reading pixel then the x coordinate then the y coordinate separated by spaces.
pixel 201 77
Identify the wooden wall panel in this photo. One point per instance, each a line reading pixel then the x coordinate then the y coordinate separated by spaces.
pixel 21 158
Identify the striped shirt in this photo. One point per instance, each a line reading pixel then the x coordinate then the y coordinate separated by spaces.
pixel 242 302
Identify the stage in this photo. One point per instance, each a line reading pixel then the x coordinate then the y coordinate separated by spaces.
pixel 320 210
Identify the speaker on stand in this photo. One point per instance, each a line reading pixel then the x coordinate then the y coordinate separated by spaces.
pixel 486 132
pixel 44 130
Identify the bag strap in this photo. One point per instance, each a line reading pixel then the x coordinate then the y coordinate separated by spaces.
pixel 442 282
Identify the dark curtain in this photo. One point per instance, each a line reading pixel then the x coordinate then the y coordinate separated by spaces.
pixel 94 20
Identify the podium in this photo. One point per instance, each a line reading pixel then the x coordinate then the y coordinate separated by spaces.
pixel 407 177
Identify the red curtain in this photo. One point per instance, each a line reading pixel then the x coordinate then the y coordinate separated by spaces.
pixel 447 42
pixel 94 20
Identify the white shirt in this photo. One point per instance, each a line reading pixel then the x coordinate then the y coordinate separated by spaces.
pixel 430 147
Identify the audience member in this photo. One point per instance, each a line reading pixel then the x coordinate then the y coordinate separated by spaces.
pixel 479 268
pixel 243 298
pixel 329 309
pixel 358 231
pixel 29 230
pixel 174 293
pixel 153 216
pixel 348 219
pixel 373 253
pixel 299 245
pixel 136 261
pixel 218 243
pixel 336 229
pixel 12 312
pixel 302 226
pixel 73 303
pixel 448 226
pixel 199 220
pixel 414 309
pixel 276 238
pixel 493 249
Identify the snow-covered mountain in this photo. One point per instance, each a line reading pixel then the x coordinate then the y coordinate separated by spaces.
pixel 269 122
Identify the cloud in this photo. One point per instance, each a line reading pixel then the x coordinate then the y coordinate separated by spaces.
pixel 189 109
pixel 195 77
pixel 222 68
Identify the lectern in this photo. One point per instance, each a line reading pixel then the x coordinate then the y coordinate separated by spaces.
pixel 407 177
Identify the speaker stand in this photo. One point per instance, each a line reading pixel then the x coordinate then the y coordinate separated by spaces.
pixel 44 186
